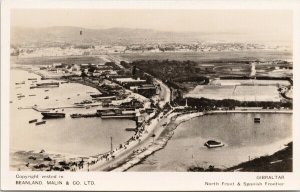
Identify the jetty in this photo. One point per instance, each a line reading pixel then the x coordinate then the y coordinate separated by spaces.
pixel 88 115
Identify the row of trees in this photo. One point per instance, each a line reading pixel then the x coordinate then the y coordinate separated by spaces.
pixel 210 104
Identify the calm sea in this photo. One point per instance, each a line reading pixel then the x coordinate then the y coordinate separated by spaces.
pixel 84 136
pixel 242 137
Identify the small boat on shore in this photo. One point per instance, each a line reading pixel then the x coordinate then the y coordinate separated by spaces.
pixel 47 97
pixel 213 144
pixel 40 123
pixel 51 115
pixel 32 95
pixel 32 78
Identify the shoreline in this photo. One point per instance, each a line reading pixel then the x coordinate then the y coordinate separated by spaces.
pixel 162 141
pixel 134 157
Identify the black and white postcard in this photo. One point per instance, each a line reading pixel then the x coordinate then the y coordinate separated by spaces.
pixel 140 95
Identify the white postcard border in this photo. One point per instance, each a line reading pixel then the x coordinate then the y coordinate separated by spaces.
pixel 144 180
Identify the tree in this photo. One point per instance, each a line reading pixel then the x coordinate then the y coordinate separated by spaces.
pixel 133 70
pixel 83 74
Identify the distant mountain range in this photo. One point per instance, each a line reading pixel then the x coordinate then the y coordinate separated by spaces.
pixel 122 36
pixel 113 35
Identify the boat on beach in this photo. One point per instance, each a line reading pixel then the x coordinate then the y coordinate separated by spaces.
pixel 52 115
pixel 213 144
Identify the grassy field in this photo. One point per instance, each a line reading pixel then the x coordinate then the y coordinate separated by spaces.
pixel 240 93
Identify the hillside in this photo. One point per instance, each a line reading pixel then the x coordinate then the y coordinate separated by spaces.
pixel 113 35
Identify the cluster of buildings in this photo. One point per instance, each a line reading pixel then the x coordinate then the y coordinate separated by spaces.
pixel 138 85
pixel 121 96
pixel 90 69
pixel 108 78
pixel 198 47
pixel 73 50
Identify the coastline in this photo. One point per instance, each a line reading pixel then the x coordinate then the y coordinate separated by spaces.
pixel 134 157
pixel 163 139
pixel 160 142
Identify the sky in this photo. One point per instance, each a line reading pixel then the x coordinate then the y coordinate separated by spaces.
pixel 273 24
pixel 165 20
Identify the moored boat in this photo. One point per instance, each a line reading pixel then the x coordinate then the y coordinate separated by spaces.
pixel 46 85
pixel 33 121
pixel 20 83
pixel 213 144
pixel 76 115
pixel 116 113
pixel 51 115
pixel 40 123
pixel 256 120
pixel 103 96
pixel 130 129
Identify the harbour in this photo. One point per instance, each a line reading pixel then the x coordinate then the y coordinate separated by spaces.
pixel 238 132
pixel 82 136
pixel 75 107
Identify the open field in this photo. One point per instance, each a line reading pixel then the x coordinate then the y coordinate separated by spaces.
pixel 58 59
pixel 241 93
pixel 203 57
